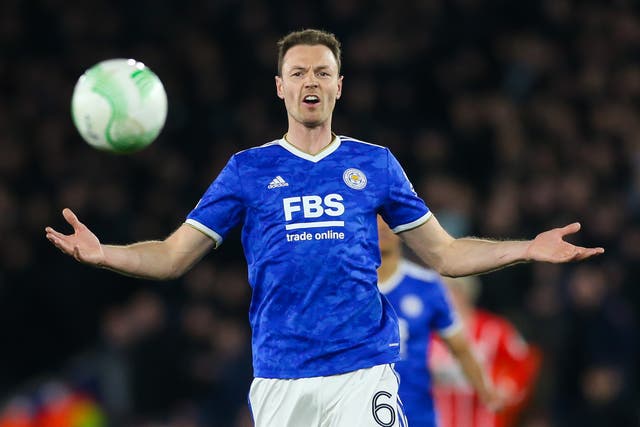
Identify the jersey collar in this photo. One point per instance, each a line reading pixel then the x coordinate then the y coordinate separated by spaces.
pixel 315 158
pixel 394 280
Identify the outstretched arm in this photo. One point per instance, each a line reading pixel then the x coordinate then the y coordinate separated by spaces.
pixel 477 377
pixel 159 260
pixel 468 256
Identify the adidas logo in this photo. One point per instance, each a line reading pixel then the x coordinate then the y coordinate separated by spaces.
pixel 277 182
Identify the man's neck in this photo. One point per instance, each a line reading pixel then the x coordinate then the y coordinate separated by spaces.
pixel 310 140
pixel 388 267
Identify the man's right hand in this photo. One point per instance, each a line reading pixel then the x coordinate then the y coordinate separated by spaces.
pixel 493 398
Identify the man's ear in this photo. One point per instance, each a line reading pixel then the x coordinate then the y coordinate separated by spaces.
pixel 339 93
pixel 279 89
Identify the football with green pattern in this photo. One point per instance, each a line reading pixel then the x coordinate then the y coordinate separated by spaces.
pixel 119 105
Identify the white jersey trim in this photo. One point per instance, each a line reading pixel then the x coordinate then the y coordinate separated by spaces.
pixel 392 282
pixel 316 224
pixel 206 230
pixel 267 144
pixel 315 158
pixel 418 222
pixel 348 138
pixel 410 269
pixel 419 272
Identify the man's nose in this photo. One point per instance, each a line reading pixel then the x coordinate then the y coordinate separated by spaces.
pixel 311 81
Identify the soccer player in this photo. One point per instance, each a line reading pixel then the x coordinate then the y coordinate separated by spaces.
pixel 511 363
pixel 323 338
pixel 419 298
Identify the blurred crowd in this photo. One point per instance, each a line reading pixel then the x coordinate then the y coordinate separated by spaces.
pixel 509 117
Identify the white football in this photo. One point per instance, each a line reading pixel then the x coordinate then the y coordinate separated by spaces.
pixel 119 105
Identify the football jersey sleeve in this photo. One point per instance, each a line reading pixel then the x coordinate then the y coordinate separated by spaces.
pixel 403 209
pixel 222 206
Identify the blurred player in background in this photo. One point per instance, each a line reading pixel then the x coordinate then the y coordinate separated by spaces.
pixel 419 298
pixel 511 363
pixel 323 338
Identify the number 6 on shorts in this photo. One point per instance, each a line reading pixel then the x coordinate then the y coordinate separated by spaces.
pixel 383 413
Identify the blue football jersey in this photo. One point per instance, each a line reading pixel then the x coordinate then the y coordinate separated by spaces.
pixel 420 301
pixel 309 235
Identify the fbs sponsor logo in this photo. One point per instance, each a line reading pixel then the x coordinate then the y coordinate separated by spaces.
pixel 300 209
pixel 312 206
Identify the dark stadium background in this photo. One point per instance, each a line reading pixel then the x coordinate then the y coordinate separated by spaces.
pixel 509 117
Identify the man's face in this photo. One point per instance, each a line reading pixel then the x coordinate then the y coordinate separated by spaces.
pixel 309 84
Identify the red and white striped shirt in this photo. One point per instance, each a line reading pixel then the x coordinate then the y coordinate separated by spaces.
pixel 511 363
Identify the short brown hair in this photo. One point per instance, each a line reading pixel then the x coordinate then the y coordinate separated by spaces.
pixel 308 37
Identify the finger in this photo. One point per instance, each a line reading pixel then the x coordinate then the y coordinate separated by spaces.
pixel 51 231
pixel 495 405
pixel 571 228
pixel 60 243
pixel 584 253
pixel 71 218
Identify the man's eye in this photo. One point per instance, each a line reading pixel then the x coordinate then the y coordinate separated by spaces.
pixel 297 74
pixel 323 74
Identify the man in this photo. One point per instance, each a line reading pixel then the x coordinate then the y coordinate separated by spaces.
pixel 323 339
pixel 511 363
pixel 417 294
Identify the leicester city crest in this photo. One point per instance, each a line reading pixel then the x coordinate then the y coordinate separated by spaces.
pixel 355 178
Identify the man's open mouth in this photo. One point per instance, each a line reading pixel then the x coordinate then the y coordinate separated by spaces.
pixel 311 99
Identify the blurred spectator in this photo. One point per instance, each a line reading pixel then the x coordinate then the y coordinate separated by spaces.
pixel 421 302
pixel 596 388
pixel 53 404
pixel 510 362
pixel 17 412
